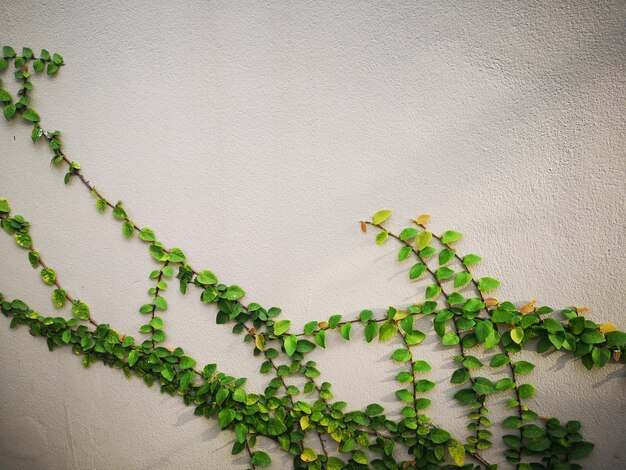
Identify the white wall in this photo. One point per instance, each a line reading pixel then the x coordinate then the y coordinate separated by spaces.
pixel 254 135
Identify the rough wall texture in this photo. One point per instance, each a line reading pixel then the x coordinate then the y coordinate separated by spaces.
pixel 254 136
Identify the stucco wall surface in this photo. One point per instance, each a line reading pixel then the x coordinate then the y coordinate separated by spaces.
pixel 254 135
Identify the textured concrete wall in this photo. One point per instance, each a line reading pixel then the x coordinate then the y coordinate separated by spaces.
pixel 254 135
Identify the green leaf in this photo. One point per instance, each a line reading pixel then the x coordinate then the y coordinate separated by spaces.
pixel 38 65
pixel 147 235
pixel 81 310
pixel 423 386
pixel 260 459
pixel 387 331
pixel 404 377
pixel 30 115
pixel 404 253
pixel 58 297
pixel 421 366
pixel 48 276
pixel 499 360
pixel 450 339
pixel 526 390
pixel 371 330
pixel 408 233
pixel 460 376
pixel 444 273
pixel 206 278
pixel 281 327
pixel 345 330
pixel 275 427
pixel 177 256
pixel 523 367
pixel 186 362
pixel 466 396
pixel 160 302
pixel 461 279
pixel 483 386
pixel 450 236
pixel 472 362
pixel 225 417
pixel 133 356
pixel 359 457
pixel 101 204
pixel 304 346
pixel 591 337
pixel 381 237
pixel 33 258
pixel 415 337
pixel 417 270
pixel 23 240
pixel 439 436
pixel 486 284
pixel 157 323
pixel 401 355
pixel 616 338
pixel 52 68
pixel 445 256
pixel 57 59
pixel 433 291
pixel 424 239
pixel 290 343
pixel 483 330
pixel 119 212
pixel 5 96
pixel 405 395
pixel 128 228
pixel 233 293
pixel 8 51
pixel 580 449
pixel 374 409
pixel 381 216
pixel 241 432
pixel 9 111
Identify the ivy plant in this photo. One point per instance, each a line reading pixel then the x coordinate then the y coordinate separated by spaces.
pixel 305 421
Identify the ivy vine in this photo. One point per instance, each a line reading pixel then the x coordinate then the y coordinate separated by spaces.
pixel 464 317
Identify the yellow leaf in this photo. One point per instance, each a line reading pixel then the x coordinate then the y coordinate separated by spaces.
pixel 304 422
pixel 457 452
pixel 422 219
pixel 308 455
pixel 363 227
pixel 381 216
pixel 400 314
pixel 617 354
pixel 607 328
pixel 528 308
pixel 491 302
pixel 259 342
pixel 582 309
pixel 423 239
pixel 323 325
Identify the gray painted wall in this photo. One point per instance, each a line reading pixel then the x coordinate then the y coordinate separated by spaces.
pixel 254 136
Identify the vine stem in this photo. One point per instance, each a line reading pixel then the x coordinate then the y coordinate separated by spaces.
pixel 250 454
pixel 489 313
pixel 58 284
pixel 136 228
pixel 476 454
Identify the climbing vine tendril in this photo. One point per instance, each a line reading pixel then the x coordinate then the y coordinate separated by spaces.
pixel 464 317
